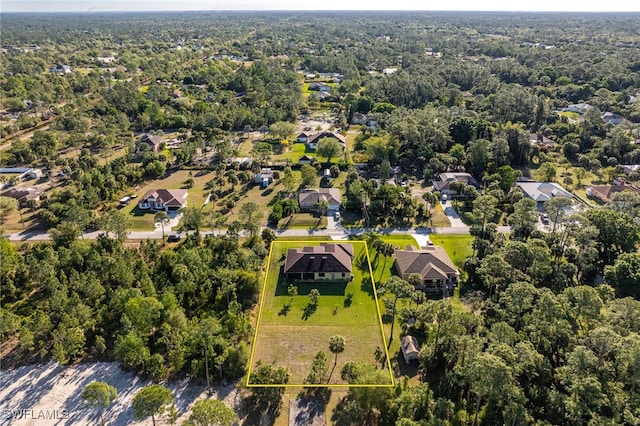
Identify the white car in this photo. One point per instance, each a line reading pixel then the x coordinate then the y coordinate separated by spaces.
pixel 337 216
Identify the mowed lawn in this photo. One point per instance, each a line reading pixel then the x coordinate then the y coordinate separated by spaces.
pixel 292 338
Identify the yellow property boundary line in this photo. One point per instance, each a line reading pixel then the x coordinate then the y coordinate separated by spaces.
pixel 375 296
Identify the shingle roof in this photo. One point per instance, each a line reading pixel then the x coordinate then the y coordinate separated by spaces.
pixel 327 257
pixel 317 137
pixel 543 191
pixel 168 197
pixel 312 196
pixel 431 262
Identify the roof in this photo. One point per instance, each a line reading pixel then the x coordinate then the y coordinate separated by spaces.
pixel 445 179
pixel 604 192
pixel 327 257
pixel 22 194
pixel 318 136
pixel 168 197
pixel 410 347
pixel 539 138
pixel 312 196
pixel 543 191
pixel 152 139
pixel 305 158
pixel 430 262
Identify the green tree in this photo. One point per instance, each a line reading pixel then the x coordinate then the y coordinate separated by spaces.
pixel 624 275
pixel 162 218
pixel 328 148
pixel 193 218
pixel 399 289
pixel 319 370
pixel 249 215
pixel 523 219
pixel 336 346
pixel 282 130
pixel 314 297
pixel 547 172
pixel 309 175
pixel 152 401
pixel 116 223
pixel 211 412
pixel 99 395
pixel 265 374
pixel 8 205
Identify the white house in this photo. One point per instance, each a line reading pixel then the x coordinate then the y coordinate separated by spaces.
pixel 163 199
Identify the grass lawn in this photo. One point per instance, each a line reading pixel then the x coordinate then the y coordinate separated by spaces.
pixel 438 218
pixel 142 220
pixel 293 154
pixel 303 221
pixel 292 337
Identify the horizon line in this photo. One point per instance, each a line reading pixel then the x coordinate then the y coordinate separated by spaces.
pixel 316 10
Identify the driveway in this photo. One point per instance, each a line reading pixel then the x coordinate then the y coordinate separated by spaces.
pixel 452 215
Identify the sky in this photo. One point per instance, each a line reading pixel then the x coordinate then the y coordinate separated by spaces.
pixel 434 5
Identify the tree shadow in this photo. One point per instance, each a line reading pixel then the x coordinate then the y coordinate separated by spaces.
pixel 309 310
pixel 348 300
pixel 285 310
pixel 367 285
pixel 331 373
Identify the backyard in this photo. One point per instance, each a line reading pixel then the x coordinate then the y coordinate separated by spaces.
pixel 291 336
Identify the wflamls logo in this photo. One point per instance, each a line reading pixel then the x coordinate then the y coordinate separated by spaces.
pixel 31 414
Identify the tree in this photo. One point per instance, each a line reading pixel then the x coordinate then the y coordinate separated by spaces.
pixel 268 236
pixel 99 395
pixel 547 172
pixel 617 233
pixel 328 148
pixel 336 346
pixel 162 218
pixel 314 297
pixel 282 129
pixel 265 374
pixel 322 206
pixel 153 400
pixel 624 275
pixel 8 205
pixel 211 412
pixel 523 219
pixel 193 218
pixel 250 215
pixel 319 369
pixel 400 289
pixel 309 175
pixel 116 223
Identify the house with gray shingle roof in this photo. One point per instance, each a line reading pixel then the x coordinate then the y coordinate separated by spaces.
pixel 328 261
pixel 543 191
pixel 431 263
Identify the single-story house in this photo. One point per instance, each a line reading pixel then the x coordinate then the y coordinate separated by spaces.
pixel 444 181
pixel 541 140
pixel 328 261
pixel 543 191
pixel 612 118
pixel 152 141
pixel 305 159
pixel 61 69
pixel 312 141
pixel 34 174
pixel 163 199
pixel 579 108
pixel 410 349
pixel 432 263
pixel 603 193
pixel 302 137
pixel 630 168
pixel 359 118
pixel 265 177
pixel 23 195
pixel 309 198
pixel 321 87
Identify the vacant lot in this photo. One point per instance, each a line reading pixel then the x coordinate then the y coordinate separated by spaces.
pixel 291 337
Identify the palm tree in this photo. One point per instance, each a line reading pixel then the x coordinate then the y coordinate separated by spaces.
pixel 336 346
pixel 163 219
pixel 322 206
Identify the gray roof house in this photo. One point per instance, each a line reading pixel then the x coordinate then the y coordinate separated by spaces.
pixel 432 263
pixel 543 191
pixel 309 197
pixel 312 141
pixel 328 261
pixel 444 181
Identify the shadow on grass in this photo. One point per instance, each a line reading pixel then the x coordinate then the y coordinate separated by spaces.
pixel 285 310
pixel 328 288
pixel 367 285
pixel 348 300
pixel 309 310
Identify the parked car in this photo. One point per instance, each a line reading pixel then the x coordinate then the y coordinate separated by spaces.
pixel 174 238
pixel 544 218
pixel 337 216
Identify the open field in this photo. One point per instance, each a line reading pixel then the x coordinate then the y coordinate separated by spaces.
pixel 292 337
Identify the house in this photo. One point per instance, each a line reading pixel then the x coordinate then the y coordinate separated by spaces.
pixel 152 141
pixel 432 263
pixel 163 199
pixel 302 137
pixel 61 69
pixel 265 177
pixel 579 108
pixel 539 139
pixel 543 191
pixel 320 87
pixel 308 199
pixel 34 174
pixel 305 159
pixel 612 118
pixel 23 195
pixel 410 349
pixel 312 141
pixel 359 118
pixel 630 168
pixel 327 261
pixel 603 193
pixel 389 71
pixel 444 181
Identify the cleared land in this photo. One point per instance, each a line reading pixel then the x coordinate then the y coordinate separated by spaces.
pixel 292 337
